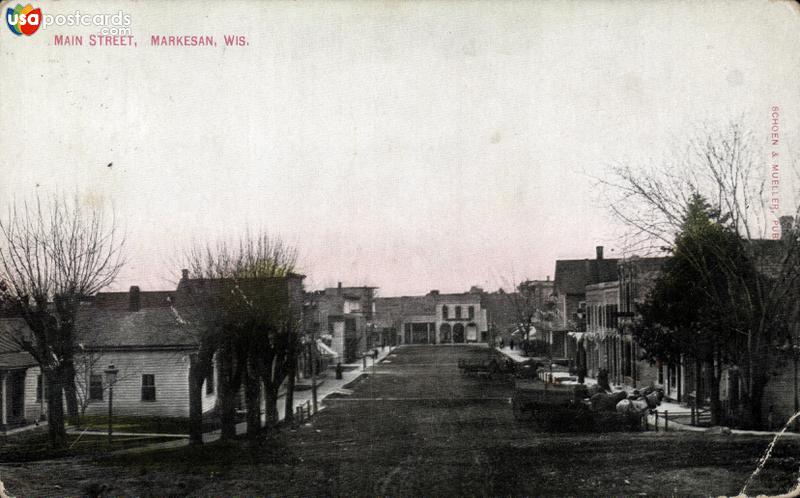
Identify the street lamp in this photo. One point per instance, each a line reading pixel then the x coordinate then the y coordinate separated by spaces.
pixel 111 379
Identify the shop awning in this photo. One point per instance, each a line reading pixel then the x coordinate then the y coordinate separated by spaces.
pixel 325 350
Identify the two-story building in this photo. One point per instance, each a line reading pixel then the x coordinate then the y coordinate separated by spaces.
pixel 436 318
pixel 460 318
pixel 637 277
pixel 599 346
pixel 344 318
pixel 572 276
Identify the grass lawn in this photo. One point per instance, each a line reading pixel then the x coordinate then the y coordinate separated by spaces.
pixel 163 425
pixel 33 445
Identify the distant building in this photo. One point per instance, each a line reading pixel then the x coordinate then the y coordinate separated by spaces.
pixel 610 308
pixel 571 279
pixel 415 314
pixel 344 318
pixel 436 318
pixel 637 277
pixel 461 318
pixel 599 346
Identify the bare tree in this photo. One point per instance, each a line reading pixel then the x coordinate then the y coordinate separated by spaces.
pixel 532 306
pixel 723 167
pixel 53 252
pixel 237 296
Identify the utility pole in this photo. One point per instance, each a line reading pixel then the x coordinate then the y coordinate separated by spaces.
pixel 313 363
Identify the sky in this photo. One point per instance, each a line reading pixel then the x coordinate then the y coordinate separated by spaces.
pixel 406 145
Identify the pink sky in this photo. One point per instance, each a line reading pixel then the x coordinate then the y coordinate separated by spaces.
pixel 410 146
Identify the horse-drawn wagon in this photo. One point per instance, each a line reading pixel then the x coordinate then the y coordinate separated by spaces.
pixel 486 366
pixel 567 408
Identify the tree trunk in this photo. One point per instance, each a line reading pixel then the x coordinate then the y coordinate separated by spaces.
pixel 291 376
pixel 271 408
pixel 698 383
pixel 252 388
pixel 196 376
pixel 226 393
pixel 55 409
pixel 67 309
pixel 70 392
pixel 713 392
pixel 759 382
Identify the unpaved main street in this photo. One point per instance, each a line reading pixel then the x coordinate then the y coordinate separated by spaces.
pixel 415 426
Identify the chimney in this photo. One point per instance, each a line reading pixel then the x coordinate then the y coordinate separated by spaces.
pixel 134 300
pixel 339 289
pixel 185 274
pixel 786 226
pixel 548 278
pixel 599 250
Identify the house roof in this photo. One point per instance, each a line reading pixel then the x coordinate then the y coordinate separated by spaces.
pixel 573 275
pixel 121 300
pixel 11 354
pixel 148 328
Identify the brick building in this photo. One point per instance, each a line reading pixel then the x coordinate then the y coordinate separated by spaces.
pixel 572 277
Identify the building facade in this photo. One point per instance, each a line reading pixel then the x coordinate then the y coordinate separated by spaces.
pixel 572 276
pixel 344 318
pixel 436 318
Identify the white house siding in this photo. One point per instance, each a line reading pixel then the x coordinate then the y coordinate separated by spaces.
pixel 171 371
pixel 33 407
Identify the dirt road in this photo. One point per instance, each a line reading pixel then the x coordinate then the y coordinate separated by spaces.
pixel 415 426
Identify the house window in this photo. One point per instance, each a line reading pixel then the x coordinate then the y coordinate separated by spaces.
pixel 458 312
pixel 39 387
pixel 673 376
pixel 210 381
pixel 148 387
pixel 95 387
pixel 471 312
pixel 445 312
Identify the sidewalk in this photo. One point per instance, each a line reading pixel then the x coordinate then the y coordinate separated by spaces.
pixel 665 406
pixel 352 371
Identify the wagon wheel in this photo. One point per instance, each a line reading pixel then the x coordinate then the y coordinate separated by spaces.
pixel 520 413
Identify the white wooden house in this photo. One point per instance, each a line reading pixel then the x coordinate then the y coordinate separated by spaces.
pixel 141 335
pixel 20 382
